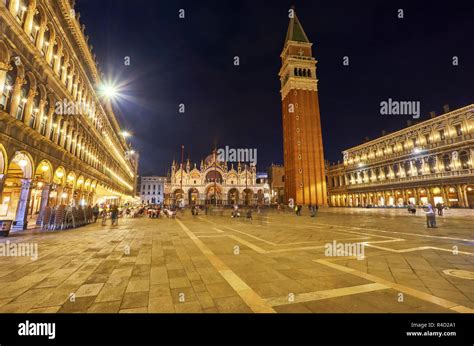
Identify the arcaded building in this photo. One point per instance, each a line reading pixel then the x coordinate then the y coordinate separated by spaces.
pixel 431 161
pixel 215 183
pixel 60 142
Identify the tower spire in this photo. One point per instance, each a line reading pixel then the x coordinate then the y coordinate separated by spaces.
pixel 295 30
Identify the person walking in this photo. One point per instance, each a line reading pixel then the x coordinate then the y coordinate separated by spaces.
pixel 114 214
pixel 430 216
pixel 440 208
pixel 95 212
pixel 104 216
pixel 249 214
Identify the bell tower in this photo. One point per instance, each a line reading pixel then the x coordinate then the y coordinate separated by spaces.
pixel 305 179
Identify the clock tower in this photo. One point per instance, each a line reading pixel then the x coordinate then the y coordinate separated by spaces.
pixel 305 178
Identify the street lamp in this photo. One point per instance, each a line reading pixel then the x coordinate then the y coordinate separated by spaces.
pixel 126 134
pixel 108 90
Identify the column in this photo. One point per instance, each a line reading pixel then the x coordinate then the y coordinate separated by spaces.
pixel 4 68
pixel 59 192
pixel 445 195
pixel 2 179
pixel 462 201
pixel 15 96
pixel 22 209
pixel 44 202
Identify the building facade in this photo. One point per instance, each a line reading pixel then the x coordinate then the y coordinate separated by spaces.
pixel 152 189
pixel 276 178
pixel 431 161
pixel 60 142
pixel 302 135
pixel 214 183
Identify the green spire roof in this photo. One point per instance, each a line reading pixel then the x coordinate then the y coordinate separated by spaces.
pixel 295 31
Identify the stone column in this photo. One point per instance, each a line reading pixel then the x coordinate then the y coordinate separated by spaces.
pixel 29 106
pixel 4 68
pixel 59 191
pixel 2 179
pixel 15 96
pixel 29 18
pixel 44 202
pixel 40 37
pixel 462 201
pixel 22 209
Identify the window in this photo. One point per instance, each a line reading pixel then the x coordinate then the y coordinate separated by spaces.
pixel 282 178
pixel 20 112
pixel 442 135
pixel 402 143
pixel 34 112
pixel 464 159
pixel 7 92
pixel 415 142
pixel 20 16
pixel 447 162
pixel 458 130
pixel 432 164
pixel 46 38
pixel 427 139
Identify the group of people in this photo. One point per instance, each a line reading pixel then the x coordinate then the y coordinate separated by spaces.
pixel 113 210
pixel 236 213
pixel 430 212
pixel 312 209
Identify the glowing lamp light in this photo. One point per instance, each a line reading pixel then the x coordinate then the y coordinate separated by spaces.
pixel 64 195
pixel 45 168
pixel 22 163
pixel 126 134
pixel 59 174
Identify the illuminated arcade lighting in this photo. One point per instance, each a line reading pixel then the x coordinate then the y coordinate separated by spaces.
pixel 22 163
pixel 126 134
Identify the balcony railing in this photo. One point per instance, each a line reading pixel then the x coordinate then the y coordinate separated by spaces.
pixel 417 178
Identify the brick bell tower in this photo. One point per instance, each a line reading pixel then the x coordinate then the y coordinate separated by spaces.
pixel 305 179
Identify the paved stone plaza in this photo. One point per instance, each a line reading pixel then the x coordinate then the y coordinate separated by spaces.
pixel 275 263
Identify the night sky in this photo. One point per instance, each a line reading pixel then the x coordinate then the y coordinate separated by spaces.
pixel 191 60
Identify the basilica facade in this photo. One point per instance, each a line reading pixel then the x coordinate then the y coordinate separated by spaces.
pixel 214 182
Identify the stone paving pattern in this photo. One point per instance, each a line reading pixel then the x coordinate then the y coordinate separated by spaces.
pixel 275 263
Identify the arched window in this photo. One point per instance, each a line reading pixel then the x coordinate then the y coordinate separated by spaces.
pixel 432 164
pixel 5 97
pixel 464 159
pixel 20 112
pixel 419 166
pixel 395 170
pixel 295 71
pixel 407 168
pixel 35 27
pixel 60 131
pixel 44 119
pixel 34 111
pixel 21 14
pixel 46 43
pixel 447 162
